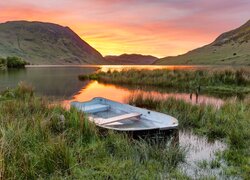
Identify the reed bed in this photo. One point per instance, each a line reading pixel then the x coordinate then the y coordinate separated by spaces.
pixel 230 123
pixel 220 80
pixel 39 141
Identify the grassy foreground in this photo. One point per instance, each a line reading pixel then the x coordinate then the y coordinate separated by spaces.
pixel 38 140
pixel 224 80
pixel 230 122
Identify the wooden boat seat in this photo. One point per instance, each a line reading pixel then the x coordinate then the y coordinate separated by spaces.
pixel 95 108
pixel 118 118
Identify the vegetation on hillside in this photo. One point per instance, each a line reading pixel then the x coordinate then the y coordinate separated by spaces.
pixel 230 122
pixel 41 141
pixel 12 62
pixel 229 48
pixel 221 80
pixel 45 43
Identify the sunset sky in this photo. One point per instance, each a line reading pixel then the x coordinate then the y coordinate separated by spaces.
pixel 156 27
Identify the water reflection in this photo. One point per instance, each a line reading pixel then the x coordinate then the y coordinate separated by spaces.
pixel 120 94
pixel 57 82
pixel 62 82
pixel 200 149
pixel 96 89
pixel 106 68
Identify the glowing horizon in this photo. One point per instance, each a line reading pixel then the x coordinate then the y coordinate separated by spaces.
pixel 113 27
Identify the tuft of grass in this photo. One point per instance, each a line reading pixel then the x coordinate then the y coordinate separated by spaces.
pixel 88 77
pixel 231 122
pixel 22 91
pixel 203 164
pixel 215 164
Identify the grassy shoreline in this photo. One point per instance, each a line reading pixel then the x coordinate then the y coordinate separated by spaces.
pixel 230 122
pixel 38 140
pixel 224 80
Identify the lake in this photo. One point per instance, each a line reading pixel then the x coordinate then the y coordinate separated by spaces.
pixel 61 83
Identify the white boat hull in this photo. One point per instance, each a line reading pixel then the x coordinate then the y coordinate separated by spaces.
pixel 116 116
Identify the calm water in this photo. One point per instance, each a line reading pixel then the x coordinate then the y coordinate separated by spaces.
pixel 58 82
pixel 62 83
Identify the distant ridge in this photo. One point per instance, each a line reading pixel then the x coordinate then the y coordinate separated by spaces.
pixel 45 43
pixel 232 47
pixel 130 59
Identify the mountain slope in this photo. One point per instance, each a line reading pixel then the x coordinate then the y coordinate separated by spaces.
pixel 232 47
pixel 130 59
pixel 45 43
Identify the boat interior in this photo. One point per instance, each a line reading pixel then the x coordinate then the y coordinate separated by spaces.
pixel 104 115
pixel 123 117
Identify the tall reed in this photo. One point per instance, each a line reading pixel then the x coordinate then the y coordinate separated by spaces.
pixel 227 80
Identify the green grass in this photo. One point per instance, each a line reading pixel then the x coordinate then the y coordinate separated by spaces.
pixel 43 141
pixel 230 122
pixel 223 80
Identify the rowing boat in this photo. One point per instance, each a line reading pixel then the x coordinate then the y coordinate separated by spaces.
pixel 121 117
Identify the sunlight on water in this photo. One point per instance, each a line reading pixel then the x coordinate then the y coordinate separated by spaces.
pixel 120 94
pixel 106 68
pixel 95 89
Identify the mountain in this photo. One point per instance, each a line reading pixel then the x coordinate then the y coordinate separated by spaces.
pixel 230 48
pixel 130 59
pixel 45 43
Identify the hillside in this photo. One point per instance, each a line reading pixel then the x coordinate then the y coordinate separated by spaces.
pixel 230 48
pixel 45 43
pixel 130 59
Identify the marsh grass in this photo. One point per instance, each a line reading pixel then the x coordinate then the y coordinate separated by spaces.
pixel 39 141
pixel 23 91
pixel 230 122
pixel 219 80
